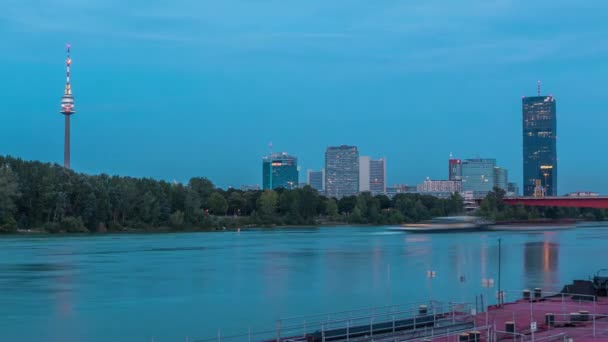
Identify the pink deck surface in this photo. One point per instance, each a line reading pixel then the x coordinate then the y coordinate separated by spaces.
pixel 524 312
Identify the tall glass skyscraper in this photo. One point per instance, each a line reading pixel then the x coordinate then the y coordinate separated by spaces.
pixel 377 176
pixel 341 171
pixel 512 189
pixel 501 178
pixel 478 176
pixel 315 179
pixel 279 170
pixel 539 142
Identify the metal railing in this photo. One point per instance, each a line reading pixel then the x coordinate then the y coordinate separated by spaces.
pixel 513 295
pixel 406 321
pixel 556 337
pixel 564 325
pixel 346 325
pixel 488 329
pixel 515 335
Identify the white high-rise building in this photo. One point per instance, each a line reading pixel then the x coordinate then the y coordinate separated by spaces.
pixel 364 173
pixel 372 175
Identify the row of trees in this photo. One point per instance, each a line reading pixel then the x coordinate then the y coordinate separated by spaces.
pixel 35 195
pixel 494 208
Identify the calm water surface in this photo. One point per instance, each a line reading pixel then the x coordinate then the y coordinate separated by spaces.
pixel 169 286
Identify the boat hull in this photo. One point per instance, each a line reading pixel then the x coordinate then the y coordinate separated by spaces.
pixel 418 228
pixel 518 228
pixel 533 226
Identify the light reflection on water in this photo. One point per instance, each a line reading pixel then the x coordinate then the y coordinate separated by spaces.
pixel 169 286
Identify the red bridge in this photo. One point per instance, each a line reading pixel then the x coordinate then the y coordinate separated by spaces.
pixel 573 202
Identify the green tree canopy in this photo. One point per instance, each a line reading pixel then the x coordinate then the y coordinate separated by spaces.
pixel 9 193
pixel 267 203
pixel 217 204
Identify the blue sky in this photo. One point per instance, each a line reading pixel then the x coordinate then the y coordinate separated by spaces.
pixel 189 88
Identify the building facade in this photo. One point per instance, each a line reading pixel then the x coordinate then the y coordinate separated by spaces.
pixel 246 187
pixel 392 191
pixel 478 176
pixel 455 169
pixel 439 186
pixel 501 178
pixel 279 170
pixel 377 176
pixel 316 179
pixel 372 175
pixel 364 173
pixel 512 189
pixel 341 171
pixel 582 194
pixel 539 145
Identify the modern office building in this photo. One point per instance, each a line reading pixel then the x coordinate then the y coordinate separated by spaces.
pixel 316 179
pixel 501 178
pixel 279 170
pixel 247 187
pixel 412 189
pixel 455 169
pixel 364 173
pixel 539 144
pixel 392 191
pixel 478 176
pixel 372 175
pixel 439 188
pixel 431 186
pixel 582 194
pixel 512 189
pixel 341 171
pixel 377 176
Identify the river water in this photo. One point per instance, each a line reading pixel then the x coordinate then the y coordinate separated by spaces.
pixel 173 287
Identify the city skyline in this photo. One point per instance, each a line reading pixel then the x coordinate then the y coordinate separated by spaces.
pixel 177 90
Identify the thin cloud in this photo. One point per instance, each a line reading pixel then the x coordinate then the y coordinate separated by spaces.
pixel 415 35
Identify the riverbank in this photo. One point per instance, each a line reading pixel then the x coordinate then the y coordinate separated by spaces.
pixel 165 229
pixel 42 231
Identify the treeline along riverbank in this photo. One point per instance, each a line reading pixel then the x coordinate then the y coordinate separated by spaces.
pixel 43 196
pixel 48 197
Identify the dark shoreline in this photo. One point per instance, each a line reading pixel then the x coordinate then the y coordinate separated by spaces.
pixel 166 230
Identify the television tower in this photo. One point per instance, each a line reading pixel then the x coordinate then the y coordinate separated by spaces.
pixel 67 109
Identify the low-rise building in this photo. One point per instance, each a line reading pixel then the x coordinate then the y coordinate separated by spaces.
pixel 439 186
pixel 254 187
pixel 583 194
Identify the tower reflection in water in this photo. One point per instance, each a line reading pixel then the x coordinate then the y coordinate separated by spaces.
pixel 541 264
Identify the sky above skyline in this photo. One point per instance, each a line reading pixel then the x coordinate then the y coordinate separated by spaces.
pixel 173 90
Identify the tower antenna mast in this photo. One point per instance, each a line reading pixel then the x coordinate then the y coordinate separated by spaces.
pixel 67 108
